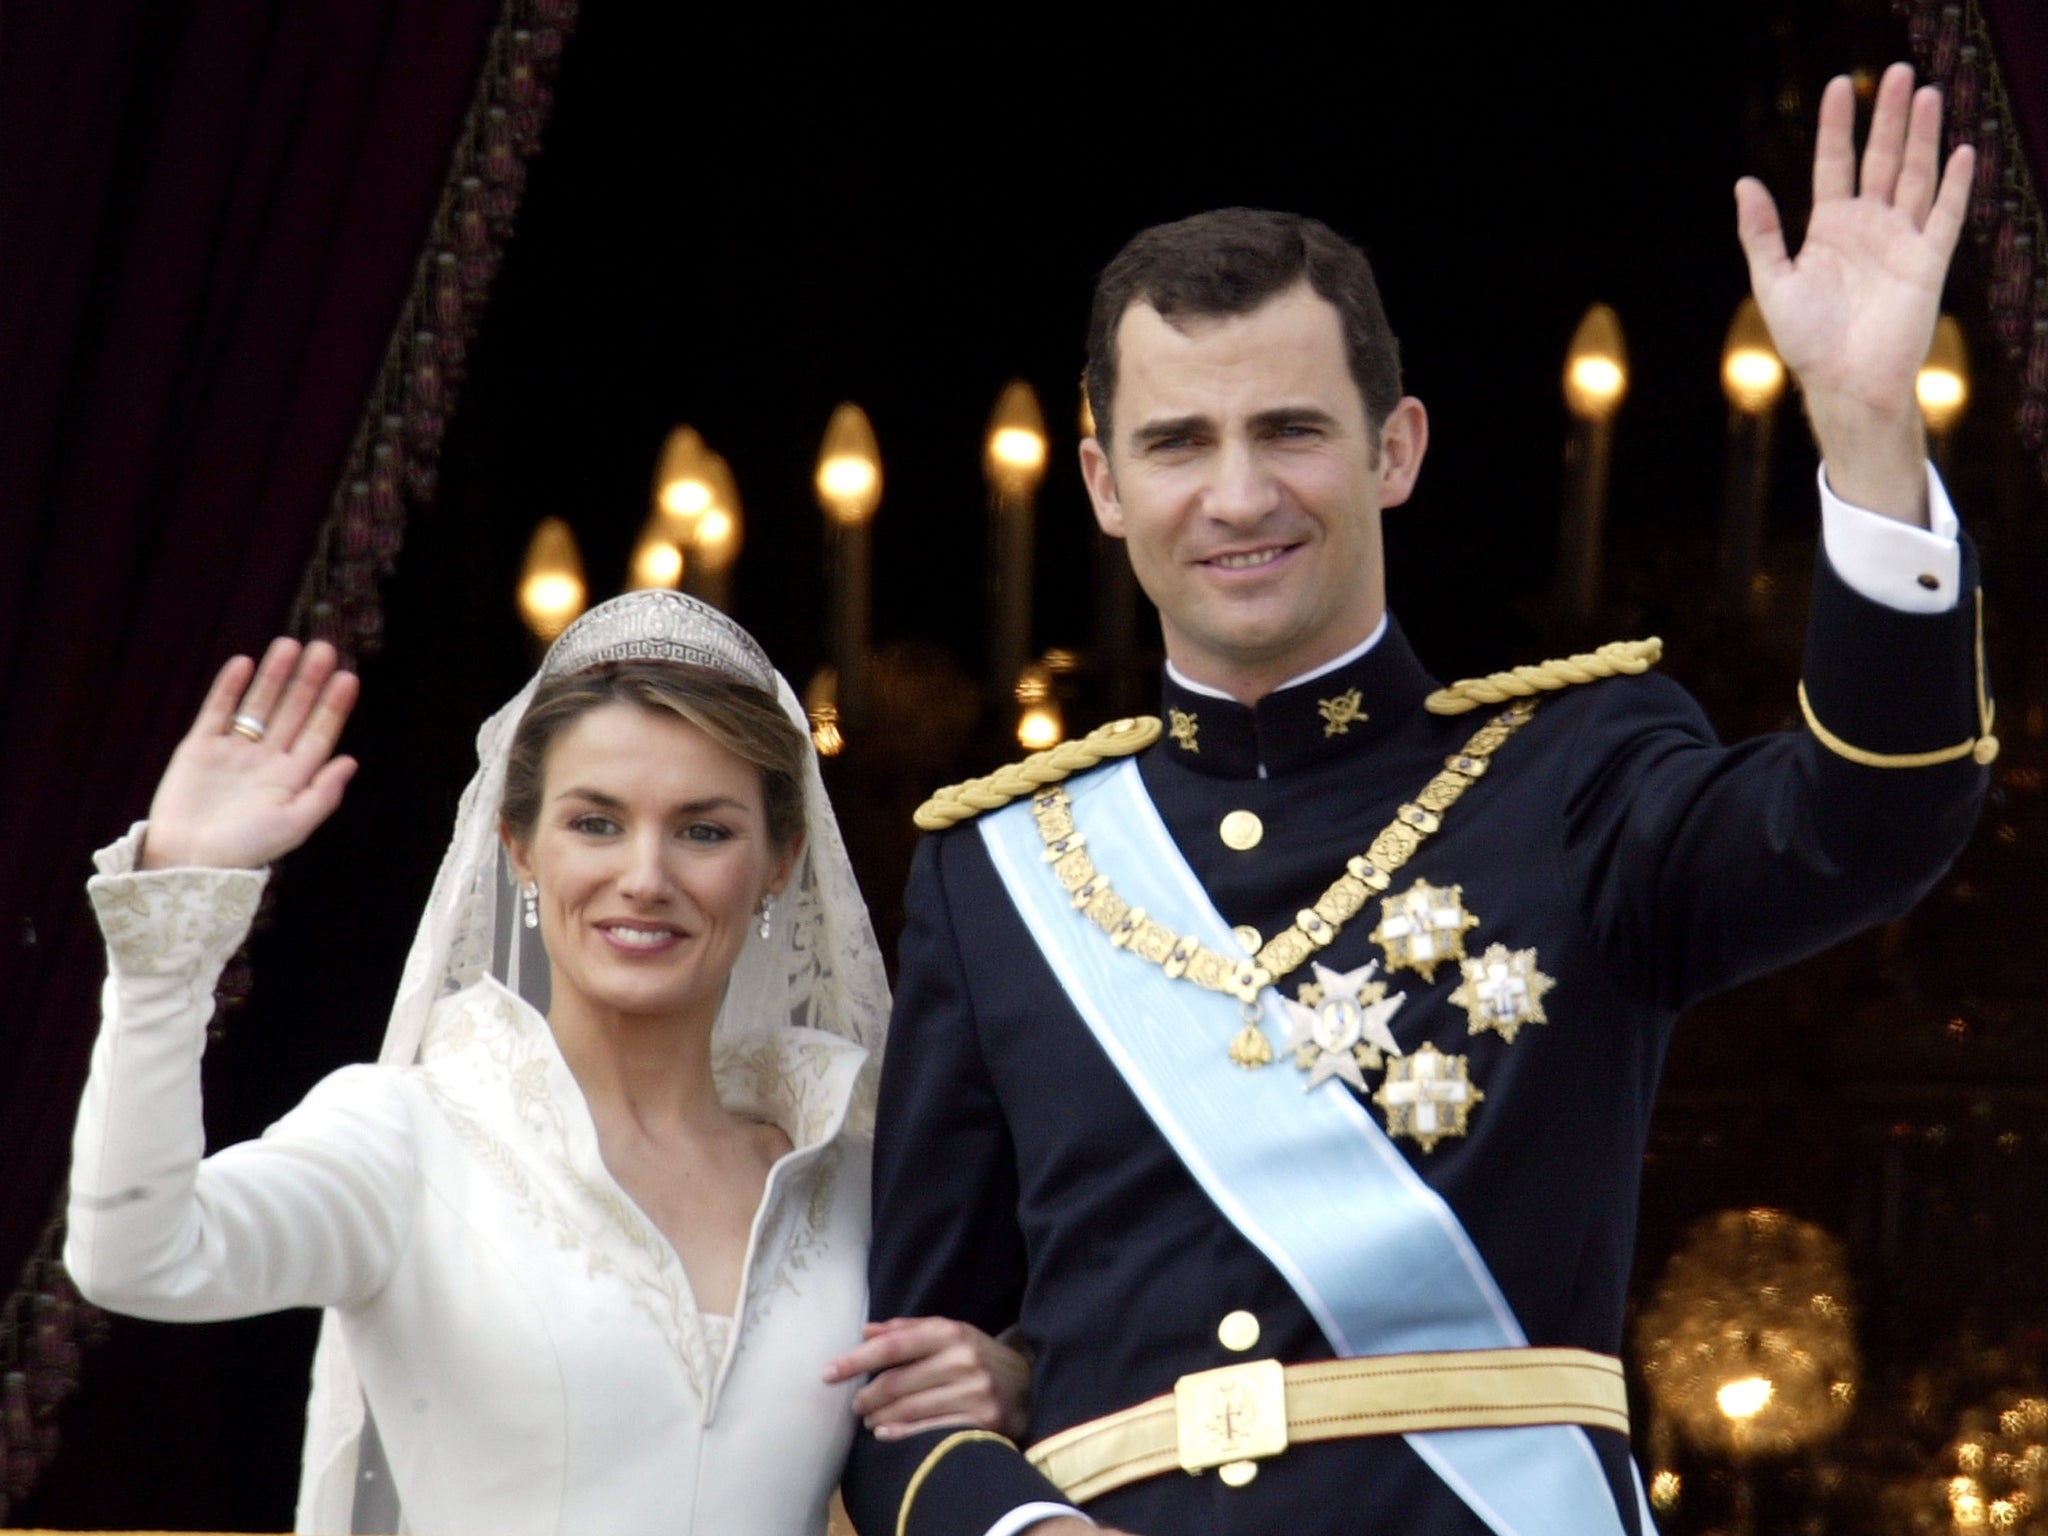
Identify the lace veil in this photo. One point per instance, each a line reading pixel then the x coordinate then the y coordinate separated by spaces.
pixel 819 967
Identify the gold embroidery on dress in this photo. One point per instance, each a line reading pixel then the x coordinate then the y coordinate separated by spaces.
pixel 652 1282
pixel 791 1232
pixel 147 916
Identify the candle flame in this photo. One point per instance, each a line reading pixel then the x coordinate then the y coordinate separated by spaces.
pixel 551 590
pixel 1744 1399
pixel 1039 727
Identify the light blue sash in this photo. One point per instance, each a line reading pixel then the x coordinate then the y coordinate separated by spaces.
pixel 1377 1257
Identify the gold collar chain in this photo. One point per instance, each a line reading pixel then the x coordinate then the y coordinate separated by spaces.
pixel 1184 956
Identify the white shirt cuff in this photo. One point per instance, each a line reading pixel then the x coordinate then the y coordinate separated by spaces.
pixel 1030 1514
pixel 1914 570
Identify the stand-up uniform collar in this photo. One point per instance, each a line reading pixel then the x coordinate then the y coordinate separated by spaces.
pixel 1327 715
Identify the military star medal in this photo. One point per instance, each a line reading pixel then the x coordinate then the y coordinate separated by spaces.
pixel 1341 1025
pixel 1424 927
pixel 1502 991
pixel 1427 1096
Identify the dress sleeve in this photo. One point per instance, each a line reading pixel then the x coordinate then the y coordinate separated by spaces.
pixel 312 1214
pixel 1697 866
pixel 946 1239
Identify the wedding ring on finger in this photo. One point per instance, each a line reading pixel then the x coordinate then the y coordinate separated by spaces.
pixel 248 727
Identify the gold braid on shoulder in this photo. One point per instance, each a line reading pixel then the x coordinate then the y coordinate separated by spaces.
pixel 1615 659
pixel 992 791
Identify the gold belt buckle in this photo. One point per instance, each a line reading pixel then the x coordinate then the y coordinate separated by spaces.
pixel 1235 1413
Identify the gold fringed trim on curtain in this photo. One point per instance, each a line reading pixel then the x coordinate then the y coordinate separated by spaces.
pixel 395 458
pixel 1953 46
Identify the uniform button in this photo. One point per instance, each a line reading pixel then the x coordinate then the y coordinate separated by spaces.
pixel 1241 830
pixel 1930 581
pixel 1238 1332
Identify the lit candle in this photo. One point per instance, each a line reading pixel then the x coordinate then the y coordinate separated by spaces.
pixel 682 483
pixel 551 589
pixel 1943 386
pixel 1013 461
pixel 849 485
pixel 657 558
pixel 1753 379
pixel 715 539
pixel 1039 724
pixel 1595 380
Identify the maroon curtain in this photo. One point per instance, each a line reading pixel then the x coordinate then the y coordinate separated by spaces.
pixel 1991 59
pixel 210 220
pixel 2018 31
pixel 2019 38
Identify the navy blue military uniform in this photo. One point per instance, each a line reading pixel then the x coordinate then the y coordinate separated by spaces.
pixel 1018 1180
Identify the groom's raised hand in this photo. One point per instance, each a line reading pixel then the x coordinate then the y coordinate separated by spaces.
pixel 1853 312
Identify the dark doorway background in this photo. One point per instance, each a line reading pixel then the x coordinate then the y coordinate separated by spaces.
pixel 744 215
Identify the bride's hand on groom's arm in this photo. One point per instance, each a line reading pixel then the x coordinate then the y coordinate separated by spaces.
pixel 930 1372
pixel 257 771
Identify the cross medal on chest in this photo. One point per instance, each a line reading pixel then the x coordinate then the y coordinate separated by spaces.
pixel 1340 1024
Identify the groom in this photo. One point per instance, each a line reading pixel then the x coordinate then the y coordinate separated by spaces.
pixel 1285 1082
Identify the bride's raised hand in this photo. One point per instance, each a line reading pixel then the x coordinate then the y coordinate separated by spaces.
pixel 257 771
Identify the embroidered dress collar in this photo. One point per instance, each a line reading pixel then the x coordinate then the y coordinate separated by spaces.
pixel 801 1080
pixel 493 1067
pixel 1323 716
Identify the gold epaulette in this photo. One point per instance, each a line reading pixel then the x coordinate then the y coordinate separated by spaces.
pixel 992 791
pixel 1616 658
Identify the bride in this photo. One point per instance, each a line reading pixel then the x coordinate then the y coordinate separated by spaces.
pixel 589 1230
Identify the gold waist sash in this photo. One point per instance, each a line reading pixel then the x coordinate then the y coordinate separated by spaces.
pixel 1235 1415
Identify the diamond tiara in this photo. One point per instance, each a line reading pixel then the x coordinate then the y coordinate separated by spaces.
pixel 659 625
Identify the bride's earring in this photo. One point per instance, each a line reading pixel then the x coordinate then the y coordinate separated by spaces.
pixel 767 912
pixel 529 903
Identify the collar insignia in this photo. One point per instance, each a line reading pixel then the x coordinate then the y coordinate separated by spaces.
pixel 1340 1025
pixel 1424 927
pixel 1427 1096
pixel 1502 991
pixel 1342 712
pixel 1182 725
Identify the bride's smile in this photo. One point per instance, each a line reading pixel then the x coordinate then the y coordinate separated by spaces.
pixel 651 855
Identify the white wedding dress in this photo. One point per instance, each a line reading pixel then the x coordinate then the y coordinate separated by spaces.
pixel 525 1338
